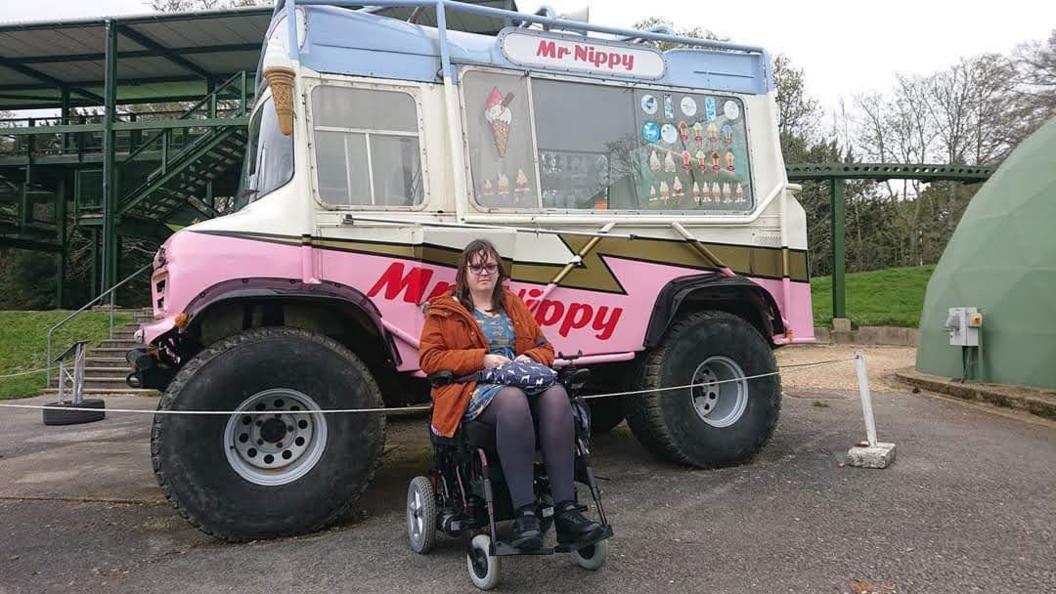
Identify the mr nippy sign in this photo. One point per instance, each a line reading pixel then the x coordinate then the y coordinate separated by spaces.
pixel 579 54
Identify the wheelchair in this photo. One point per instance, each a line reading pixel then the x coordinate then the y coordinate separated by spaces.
pixel 465 495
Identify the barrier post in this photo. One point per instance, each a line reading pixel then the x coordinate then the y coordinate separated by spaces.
pixel 870 453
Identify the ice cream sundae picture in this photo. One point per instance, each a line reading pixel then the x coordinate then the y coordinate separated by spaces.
pixel 698 133
pixel 500 118
pixel 676 189
pixel 683 131
pixel 669 164
pixel 726 192
pixel 702 160
pixel 664 191
pixel 654 162
pixel 730 162
pixel 687 161
pixel 715 162
pixel 521 182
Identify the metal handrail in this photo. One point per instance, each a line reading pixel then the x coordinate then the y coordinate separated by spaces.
pixel 112 292
pixel 186 114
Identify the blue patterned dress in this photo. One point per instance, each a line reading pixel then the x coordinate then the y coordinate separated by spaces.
pixel 499 332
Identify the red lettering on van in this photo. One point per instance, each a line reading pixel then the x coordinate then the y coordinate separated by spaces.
pixel 394 281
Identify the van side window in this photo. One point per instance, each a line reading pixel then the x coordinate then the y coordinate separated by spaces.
pixel 588 145
pixel 499 131
pixel 366 147
pixel 609 147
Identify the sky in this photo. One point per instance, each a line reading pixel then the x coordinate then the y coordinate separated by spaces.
pixel 844 47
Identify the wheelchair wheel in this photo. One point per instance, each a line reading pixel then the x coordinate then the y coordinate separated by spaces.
pixel 484 568
pixel 421 515
pixel 591 557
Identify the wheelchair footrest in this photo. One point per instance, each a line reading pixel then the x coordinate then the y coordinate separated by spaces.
pixel 568 548
pixel 505 549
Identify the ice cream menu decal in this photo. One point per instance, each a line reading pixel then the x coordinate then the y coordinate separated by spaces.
pixel 694 152
pixel 500 189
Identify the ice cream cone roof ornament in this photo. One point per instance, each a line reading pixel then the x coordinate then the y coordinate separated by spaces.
pixel 498 115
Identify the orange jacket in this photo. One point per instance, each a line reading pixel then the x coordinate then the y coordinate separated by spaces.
pixel 453 341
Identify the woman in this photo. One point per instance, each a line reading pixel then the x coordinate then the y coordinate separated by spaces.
pixel 478 325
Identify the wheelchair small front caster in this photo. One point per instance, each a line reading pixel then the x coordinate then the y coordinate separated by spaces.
pixel 484 568
pixel 591 557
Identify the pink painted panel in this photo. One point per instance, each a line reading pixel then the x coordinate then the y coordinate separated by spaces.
pixel 573 319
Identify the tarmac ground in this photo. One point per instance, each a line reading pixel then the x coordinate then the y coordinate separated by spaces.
pixel 966 507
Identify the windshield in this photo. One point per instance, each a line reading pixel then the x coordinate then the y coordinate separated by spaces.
pixel 269 156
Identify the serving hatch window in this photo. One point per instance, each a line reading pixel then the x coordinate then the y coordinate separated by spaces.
pixel 605 147
pixel 367 150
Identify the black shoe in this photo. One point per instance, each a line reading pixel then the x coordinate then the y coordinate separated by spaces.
pixel 573 527
pixel 526 533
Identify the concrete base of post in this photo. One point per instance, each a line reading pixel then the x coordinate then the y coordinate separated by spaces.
pixel 863 455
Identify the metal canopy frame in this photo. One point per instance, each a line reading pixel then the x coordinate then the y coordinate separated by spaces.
pixel 838 173
pixel 105 63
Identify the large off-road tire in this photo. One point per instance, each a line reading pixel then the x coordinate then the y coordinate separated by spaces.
pixel 714 425
pixel 241 477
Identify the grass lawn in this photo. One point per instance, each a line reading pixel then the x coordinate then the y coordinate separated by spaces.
pixel 890 297
pixel 23 344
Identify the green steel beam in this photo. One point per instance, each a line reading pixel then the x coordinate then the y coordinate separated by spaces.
pixel 839 302
pixel 968 174
pixel 152 19
pixel 163 51
pixel 98 57
pixel 22 243
pixel 46 78
pixel 60 228
pixel 121 126
pixel 202 123
pixel 109 263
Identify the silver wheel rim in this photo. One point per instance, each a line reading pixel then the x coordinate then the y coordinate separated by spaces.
pixel 722 398
pixel 415 511
pixel 279 447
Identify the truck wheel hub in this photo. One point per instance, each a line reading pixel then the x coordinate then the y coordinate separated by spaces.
pixel 720 392
pixel 280 441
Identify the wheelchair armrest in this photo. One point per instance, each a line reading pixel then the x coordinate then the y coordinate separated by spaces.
pixel 441 378
pixel 573 379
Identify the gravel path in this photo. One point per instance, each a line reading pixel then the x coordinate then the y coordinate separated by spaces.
pixel 881 362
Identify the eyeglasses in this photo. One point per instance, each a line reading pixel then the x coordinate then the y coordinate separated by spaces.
pixel 480 269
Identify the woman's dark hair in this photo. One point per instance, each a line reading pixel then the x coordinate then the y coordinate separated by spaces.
pixel 477 252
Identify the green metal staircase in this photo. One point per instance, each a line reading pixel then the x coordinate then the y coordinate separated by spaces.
pixel 174 176
pixel 27 214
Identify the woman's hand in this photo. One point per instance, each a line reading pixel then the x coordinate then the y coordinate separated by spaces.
pixel 491 361
pixel 525 358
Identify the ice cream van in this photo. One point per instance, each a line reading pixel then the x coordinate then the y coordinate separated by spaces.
pixel 638 198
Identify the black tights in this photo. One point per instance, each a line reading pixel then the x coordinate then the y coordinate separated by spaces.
pixel 510 412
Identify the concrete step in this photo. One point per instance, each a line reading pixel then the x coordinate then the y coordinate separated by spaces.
pixel 106 362
pixel 126 391
pixel 117 343
pixel 102 383
pixel 110 352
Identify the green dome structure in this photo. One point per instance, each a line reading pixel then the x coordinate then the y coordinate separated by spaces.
pixel 1002 260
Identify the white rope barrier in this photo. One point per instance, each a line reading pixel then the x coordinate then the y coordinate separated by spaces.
pixel 24 372
pixel 413 409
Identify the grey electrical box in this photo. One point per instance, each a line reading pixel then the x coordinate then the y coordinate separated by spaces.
pixel 963 324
